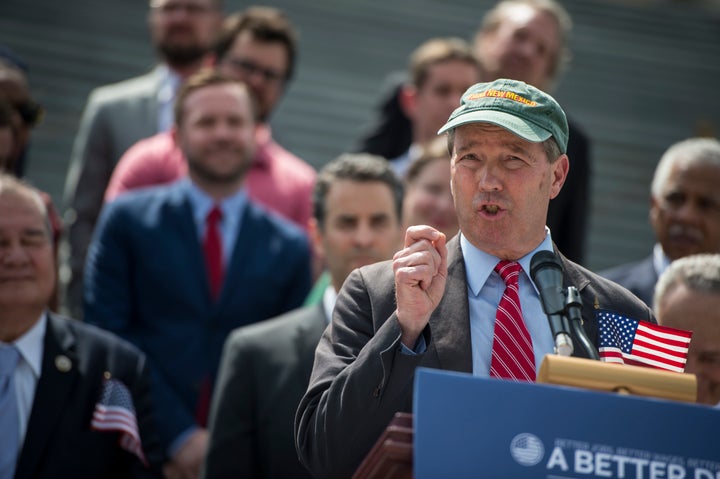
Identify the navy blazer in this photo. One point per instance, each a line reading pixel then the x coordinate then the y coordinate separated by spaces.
pixel 639 277
pixel 59 441
pixel 146 280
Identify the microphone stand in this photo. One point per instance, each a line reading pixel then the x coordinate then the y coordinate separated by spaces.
pixel 573 312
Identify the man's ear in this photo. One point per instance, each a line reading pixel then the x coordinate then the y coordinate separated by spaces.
pixel 407 97
pixel 560 170
pixel 316 237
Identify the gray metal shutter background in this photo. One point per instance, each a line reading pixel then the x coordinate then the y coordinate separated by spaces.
pixel 644 75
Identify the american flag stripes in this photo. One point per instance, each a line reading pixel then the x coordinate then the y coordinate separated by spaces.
pixel 115 412
pixel 625 340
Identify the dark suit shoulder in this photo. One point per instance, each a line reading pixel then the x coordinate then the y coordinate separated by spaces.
pixel 267 334
pixel 88 336
pixel 626 270
pixel 599 292
pixel 259 215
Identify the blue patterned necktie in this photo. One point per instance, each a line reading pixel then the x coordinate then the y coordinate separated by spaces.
pixel 9 423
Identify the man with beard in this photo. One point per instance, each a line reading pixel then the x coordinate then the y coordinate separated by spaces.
pixel 116 116
pixel 175 268
pixel 684 213
pixel 257 46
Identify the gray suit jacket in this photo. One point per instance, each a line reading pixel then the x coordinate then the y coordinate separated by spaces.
pixel 360 379
pixel 115 118
pixel 264 373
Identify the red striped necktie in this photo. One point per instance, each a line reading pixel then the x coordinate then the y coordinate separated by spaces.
pixel 512 351
pixel 212 249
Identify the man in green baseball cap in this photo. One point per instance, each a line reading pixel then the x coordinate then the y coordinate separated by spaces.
pixel 469 305
pixel 521 108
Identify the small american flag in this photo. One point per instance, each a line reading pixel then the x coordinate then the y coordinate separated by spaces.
pixel 115 412
pixel 629 341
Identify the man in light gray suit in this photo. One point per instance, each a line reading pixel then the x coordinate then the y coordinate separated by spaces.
pixel 265 368
pixel 116 116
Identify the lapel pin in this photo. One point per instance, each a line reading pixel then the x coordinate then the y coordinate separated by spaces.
pixel 63 363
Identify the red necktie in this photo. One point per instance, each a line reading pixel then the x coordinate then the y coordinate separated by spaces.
pixel 212 248
pixel 512 351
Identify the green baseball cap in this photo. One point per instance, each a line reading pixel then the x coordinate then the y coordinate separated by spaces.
pixel 526 111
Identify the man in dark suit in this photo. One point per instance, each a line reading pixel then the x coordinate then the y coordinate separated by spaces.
pixel 117 116
pixel 432 305
pixel 175 268
pixel 60 375
pixel 524 40
pixel 684 213
pixel 265 368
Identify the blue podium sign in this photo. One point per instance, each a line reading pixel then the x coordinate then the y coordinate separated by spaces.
pixel 468 427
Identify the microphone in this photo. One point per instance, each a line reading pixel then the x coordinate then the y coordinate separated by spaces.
pixel 547 274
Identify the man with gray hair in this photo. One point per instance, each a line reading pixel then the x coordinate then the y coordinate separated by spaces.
pixel 62 382
pixel 684 213
pixel 687 296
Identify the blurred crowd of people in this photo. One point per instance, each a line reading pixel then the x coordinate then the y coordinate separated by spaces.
pixel 202 260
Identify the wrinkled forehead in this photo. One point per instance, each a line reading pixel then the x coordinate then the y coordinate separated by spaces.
pixel 24 203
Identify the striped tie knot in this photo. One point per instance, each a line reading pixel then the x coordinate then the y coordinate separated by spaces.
pixel 509 271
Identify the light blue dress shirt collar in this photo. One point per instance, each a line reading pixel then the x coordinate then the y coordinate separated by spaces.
pixel 484 292
pixel 232 208
pixel 479 264
pixel 31 347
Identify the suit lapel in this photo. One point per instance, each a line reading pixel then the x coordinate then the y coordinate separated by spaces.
pixel 450 322
pixel 57 379
pixel 182 223
pixel 308 336
pixel 240 260
pixel 149 103
pixel 574 276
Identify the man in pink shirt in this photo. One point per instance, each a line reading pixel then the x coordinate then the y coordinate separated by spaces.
pixel 258 47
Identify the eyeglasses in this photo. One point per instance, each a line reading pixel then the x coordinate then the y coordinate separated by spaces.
pixel 248 67
pixel 31 112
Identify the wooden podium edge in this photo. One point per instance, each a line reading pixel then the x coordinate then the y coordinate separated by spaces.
pixel 392 454
pixel 625 379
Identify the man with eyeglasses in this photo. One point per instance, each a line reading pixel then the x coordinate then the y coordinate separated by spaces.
pixel 258 47
pixel 116 116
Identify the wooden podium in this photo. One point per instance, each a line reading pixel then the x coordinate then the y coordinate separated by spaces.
pixel 392 455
